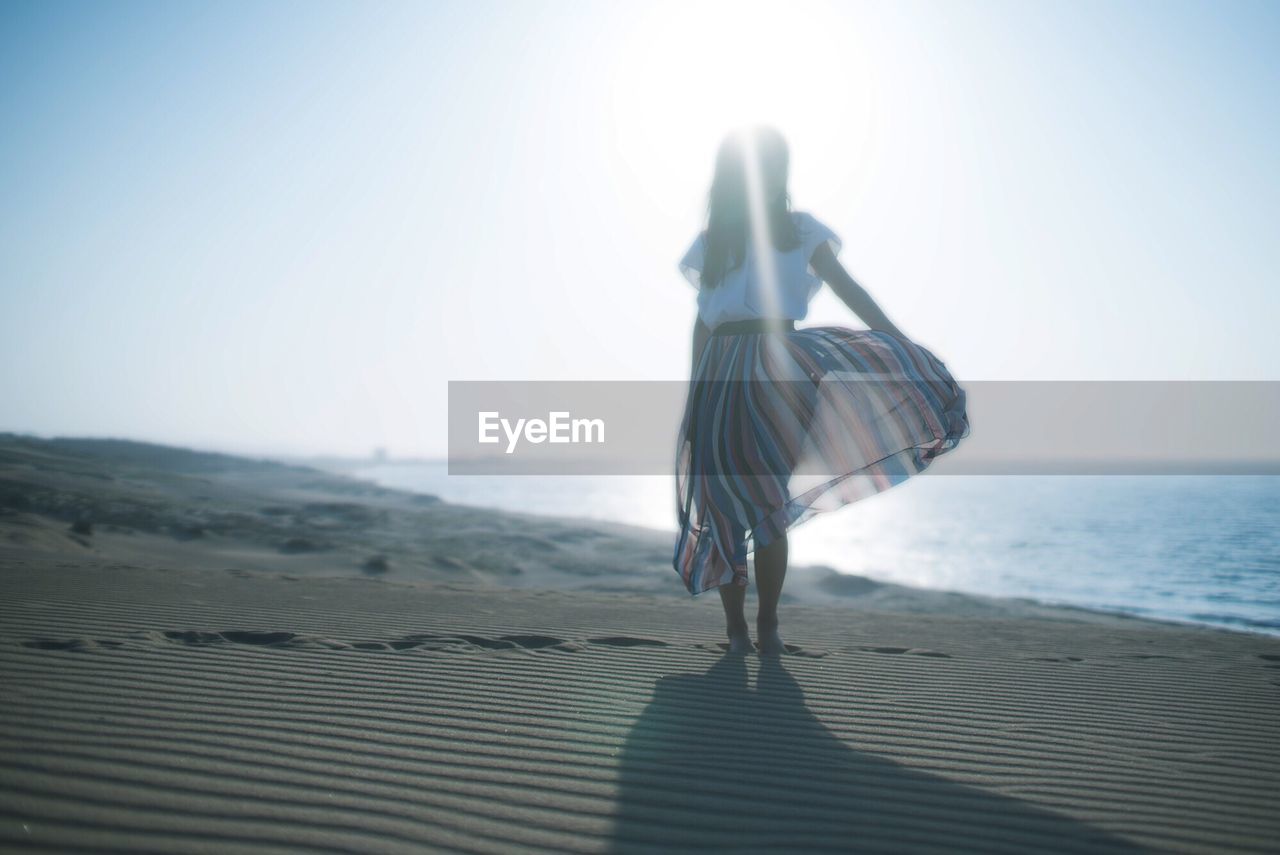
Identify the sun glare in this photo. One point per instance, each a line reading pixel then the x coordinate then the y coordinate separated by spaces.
pixel 686 74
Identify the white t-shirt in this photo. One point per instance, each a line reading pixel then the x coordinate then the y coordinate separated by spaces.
pixel 739 297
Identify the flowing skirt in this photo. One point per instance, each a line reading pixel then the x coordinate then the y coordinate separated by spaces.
pixel 778 427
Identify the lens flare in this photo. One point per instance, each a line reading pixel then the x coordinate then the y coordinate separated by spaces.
pixel 762 261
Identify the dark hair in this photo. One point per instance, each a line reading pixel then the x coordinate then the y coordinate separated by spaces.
pixel 728 205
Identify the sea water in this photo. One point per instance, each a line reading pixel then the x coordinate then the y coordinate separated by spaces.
pixel 1197 548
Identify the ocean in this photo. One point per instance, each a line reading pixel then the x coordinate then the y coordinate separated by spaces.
pixel 1195 548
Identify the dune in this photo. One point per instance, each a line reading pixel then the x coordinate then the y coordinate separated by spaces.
pixel 181 691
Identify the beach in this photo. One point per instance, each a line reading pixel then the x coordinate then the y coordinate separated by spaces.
pixel 206 653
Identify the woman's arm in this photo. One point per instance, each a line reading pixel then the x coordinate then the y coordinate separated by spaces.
pixel 850 292
pixel 701 332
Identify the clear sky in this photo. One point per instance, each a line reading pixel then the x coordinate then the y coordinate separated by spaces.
pixel 284 227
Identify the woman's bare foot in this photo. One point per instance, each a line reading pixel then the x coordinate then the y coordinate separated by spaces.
pixel 769 640
pixel 739 639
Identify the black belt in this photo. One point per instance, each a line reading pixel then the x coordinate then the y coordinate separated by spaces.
pixel 758 325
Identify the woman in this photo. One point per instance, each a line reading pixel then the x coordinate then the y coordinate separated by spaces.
pixel 782 423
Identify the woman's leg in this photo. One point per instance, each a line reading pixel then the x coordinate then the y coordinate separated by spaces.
pixel 771 570
pixel 733 597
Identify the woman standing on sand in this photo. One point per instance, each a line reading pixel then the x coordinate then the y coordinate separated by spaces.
pixel 781 423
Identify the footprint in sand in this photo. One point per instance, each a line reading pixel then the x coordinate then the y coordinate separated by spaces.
pixel 235 636
pixel 626 641
pixel 72 644
pixel 913 651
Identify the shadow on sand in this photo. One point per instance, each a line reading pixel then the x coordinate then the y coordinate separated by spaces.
pixel 713 762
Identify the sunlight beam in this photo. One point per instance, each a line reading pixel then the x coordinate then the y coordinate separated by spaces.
pixel 761 255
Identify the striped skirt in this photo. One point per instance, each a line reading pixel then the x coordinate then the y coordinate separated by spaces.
pixel 780 426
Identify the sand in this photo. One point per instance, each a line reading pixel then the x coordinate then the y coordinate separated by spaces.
pixel 177 692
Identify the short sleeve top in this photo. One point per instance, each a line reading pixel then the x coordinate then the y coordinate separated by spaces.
pixel 742 295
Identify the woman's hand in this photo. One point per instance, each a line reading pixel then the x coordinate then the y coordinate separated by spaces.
pixel 890 329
